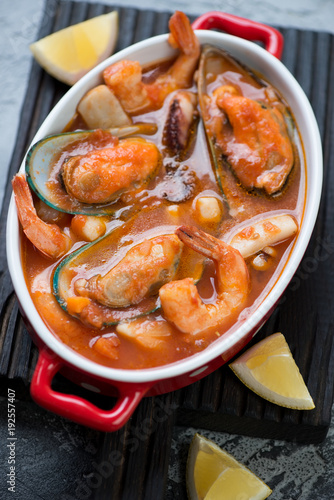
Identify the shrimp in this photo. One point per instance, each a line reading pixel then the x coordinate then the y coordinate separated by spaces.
pixel 124 78
pixel 88 227
pixel 145 267
pixel 47 238
pixel 100 176
pixel 259 150
pixel 180 300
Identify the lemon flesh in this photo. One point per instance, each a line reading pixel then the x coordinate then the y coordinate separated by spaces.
pixel 237 484
pixel 213 474
pixel 70 53
pixel 269 370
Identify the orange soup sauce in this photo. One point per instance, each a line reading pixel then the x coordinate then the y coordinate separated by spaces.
pixel 166 202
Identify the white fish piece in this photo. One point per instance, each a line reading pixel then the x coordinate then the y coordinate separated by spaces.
pixel 100 108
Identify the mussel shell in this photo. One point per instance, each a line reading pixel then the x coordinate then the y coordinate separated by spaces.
pixel 102 255
pixel 214 64
pixel 40 159
pixel 88 261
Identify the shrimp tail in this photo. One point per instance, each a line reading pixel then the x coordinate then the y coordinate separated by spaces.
pixel 200 241
pixel 182 35
pixel 47 238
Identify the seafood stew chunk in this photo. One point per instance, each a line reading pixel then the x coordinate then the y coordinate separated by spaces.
pixel 163 233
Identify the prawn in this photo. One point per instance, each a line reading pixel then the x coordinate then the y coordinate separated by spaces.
pixel 124 78
pixel 180 300
pixel 47 238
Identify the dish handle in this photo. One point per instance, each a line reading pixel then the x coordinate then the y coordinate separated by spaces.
pixel 76 408
pixel 243 28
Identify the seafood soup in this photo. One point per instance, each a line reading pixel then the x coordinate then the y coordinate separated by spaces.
pixel 163 215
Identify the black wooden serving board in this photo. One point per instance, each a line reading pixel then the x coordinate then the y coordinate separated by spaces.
pixel 218 402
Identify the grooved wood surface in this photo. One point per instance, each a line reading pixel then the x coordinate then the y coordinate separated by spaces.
pixel 218 402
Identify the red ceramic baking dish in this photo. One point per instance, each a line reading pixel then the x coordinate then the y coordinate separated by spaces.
pixel 130 386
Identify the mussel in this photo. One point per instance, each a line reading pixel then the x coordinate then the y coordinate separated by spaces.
pixel 247 127
pixel 118 277
pixel 101 176
pixel 46 157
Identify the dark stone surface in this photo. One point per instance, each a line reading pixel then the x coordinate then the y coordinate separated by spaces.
pixel 291 470
pixel 56 459
pixel 52 455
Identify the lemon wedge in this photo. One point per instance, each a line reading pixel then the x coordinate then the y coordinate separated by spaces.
pixel 70 53
pixel 269 370
pixel 213 474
